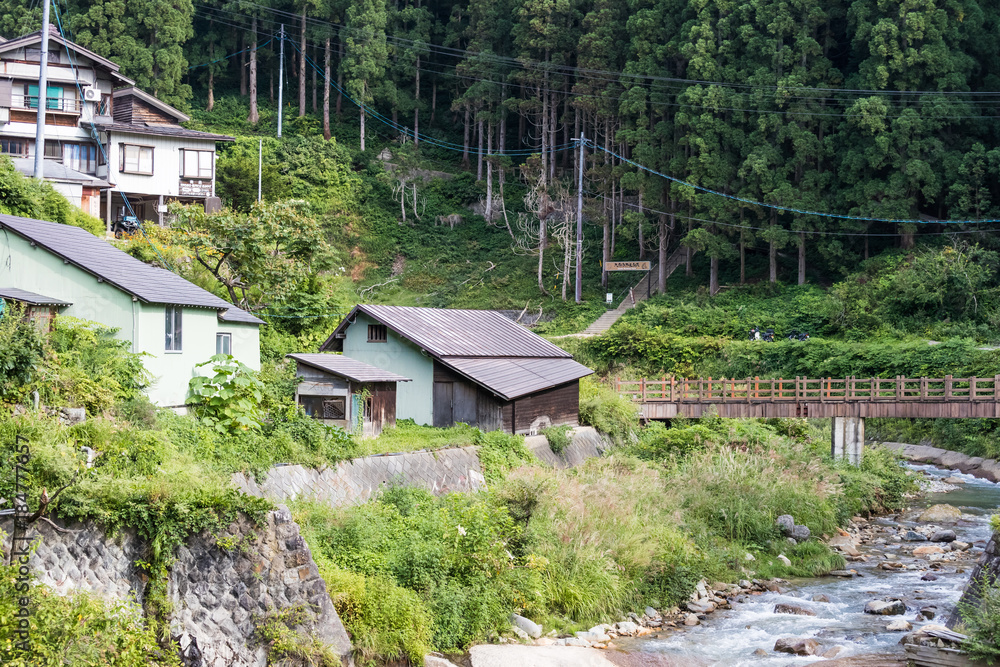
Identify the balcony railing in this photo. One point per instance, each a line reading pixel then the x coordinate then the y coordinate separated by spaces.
pixel 64 104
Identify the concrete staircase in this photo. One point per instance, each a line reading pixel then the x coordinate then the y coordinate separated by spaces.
pixel 605 321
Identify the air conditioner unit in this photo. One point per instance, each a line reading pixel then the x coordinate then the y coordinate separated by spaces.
pixel 91 94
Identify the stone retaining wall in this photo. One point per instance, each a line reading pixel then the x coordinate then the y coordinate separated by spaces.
pixel 218 594
pixel 987 571
pixel 441 471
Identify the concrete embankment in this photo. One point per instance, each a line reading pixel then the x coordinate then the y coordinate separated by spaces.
pixel 976 466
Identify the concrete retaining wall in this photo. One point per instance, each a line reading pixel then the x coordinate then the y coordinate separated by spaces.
pixel 441 471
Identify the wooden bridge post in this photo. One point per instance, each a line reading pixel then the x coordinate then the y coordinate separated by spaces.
pixel 947 387
pixel 642 388
pixel 972 389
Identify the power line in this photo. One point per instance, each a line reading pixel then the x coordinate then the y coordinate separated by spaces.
pixel 777 207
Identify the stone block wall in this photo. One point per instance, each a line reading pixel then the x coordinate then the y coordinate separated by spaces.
pixel 220 594
pixel 84 558
pixel 440 472
pixel 987 571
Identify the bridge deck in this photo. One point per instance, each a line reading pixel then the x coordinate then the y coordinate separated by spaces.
pixel 667 398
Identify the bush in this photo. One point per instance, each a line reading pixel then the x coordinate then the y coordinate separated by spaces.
pixel 21 348
pixel 499 453
pixel 608 412
pixel 981 621
pixel 558 437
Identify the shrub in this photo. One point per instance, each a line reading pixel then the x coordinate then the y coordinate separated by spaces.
pixel 878 485
pixel 981 621
pixel 499 453
pixel 20 353
pixel 608 412
pixel 558 437
pixel 229 401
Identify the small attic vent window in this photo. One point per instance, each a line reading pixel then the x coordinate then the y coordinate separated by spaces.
pixel 377 333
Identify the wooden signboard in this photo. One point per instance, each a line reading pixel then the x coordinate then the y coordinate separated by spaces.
pixel 626 266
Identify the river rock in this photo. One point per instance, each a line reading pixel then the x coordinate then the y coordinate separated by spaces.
pixel 593 637
pixel 929 577
pixel 800 533
pixel 913 536
pixel 651 613
pixel 531 628
pixel 576 641
pixel 819 597
pixel 437 661
pixel 761 653
pixel 842 573
pixel 940 514
pixel 899 625
pixel 691 619
pixel 927 613
pixel 626 628
pixel 785 608
pixel 954 480
pixel 784 560
pixel 927 550
pixel 959 546
pixel 944 536
pixel 785 523
pixel 891 607
pixel 701 607
pixel 833 652
pixel 797 645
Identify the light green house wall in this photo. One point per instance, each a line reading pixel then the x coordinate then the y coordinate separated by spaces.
pixel 414 400
pixel 142 324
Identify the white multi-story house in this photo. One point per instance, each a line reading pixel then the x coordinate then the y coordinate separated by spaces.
pixel 106 142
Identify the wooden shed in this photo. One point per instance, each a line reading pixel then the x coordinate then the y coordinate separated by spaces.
pixel 472 366
pixel 344 392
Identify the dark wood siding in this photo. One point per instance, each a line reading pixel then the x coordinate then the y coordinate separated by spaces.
pixel 127 109
pixel 457 399
pixel 465 403
pixel 380 411
pixel 560 405
pixel 488 411
pixel 442 406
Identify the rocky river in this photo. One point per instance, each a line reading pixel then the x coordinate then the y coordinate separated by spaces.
pixel 904 572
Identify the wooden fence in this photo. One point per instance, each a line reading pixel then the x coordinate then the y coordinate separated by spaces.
pixel 822 390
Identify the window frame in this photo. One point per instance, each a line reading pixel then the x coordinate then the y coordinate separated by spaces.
pixel 123 150
pixel 173 326
pixel 201 170
pixel 224 336
pixel 380 331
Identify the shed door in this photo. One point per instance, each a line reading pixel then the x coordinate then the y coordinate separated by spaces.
pixel 443 392
pixel 464 401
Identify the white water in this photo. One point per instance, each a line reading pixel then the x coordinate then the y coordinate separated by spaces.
pixel 730 637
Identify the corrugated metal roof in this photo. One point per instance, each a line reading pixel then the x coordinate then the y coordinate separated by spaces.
pixel 96 256
pixel 30 298
pixel 338 364
pixel 163 131
pixel 512 377
pixel 448 332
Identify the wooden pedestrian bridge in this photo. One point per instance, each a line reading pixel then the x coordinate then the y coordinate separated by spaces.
pixel 847 401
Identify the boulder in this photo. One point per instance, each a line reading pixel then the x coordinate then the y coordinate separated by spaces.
pixel 784 560
pixel 899 625
pixel 592 637
pixel 785 523
pixel 785 608
pixel 842 573
pixel 832 652
pixel 797 645
pixel 959 546
pixel 944 536
pixel 701 607
pixel 929 577
pixel 912 536
pixel 626 628
pixel 691 619
pixel 761 653
pixel 927 550
pixel 819 597
pixel 940 514
pixel 800 533
pixel 954 480
pixel 927 613
pixel 431 660
pixel 651 613
pixel 529 627
pixel 890 607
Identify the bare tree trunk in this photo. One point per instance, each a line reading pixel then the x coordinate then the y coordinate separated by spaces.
pixel 641 235
pixel 553 125
pixel 688 254
pixel 302 64
pixel 416 105
pixel 243 66
pixel 211 74
pixel 713 276
pixel 479 154
pixel 326 89
pixel 489 176
pixel 772 252
pixel 254 117
pixel 520 130
pixel 605 252
pixel 434 100
pixel 743 252
pixel 315 87
pixel 465 140
pixel 541 254
pixel 340 78
pixel 661 256
pixel 802 258
pixel 362 110
pixel 545 130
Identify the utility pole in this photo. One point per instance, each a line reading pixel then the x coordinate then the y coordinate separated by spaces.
pixel 43 85
pixel 260 167
pixel 579 226
pixel 281 75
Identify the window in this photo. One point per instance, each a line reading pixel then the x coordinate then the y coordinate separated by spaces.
pixel 57 98
pixel 135 159
pixel 376 333
pixel 81 157
pixel 324 407
pixel 223 343
pixel 33 54
pixel 15 147
pixel 173 328
pixel 196 164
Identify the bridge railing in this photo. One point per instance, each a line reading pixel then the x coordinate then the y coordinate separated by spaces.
pixel 799 389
